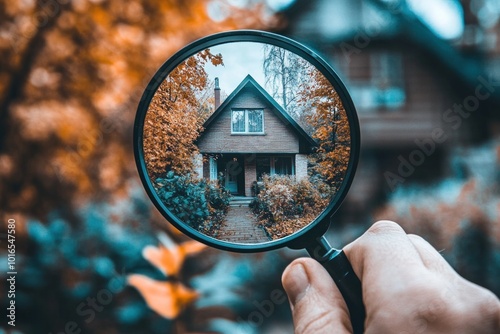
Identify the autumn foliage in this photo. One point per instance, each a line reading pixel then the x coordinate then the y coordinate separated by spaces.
pixel 72 74
pixel 167 298
pixel 284 205
pixel 307 95
pixel 175 116
pixel 331 127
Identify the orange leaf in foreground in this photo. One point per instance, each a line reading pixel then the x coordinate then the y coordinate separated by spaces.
pixel 168 299
pixel 169 259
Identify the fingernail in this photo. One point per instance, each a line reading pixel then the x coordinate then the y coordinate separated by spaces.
pixel 296 283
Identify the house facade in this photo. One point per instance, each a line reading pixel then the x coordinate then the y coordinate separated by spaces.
pixel 249 135
pixel 405 81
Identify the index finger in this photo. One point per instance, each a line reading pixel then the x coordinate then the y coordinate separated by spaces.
pixel 384 257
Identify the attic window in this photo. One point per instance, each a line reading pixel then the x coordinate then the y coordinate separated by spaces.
pixel 247 121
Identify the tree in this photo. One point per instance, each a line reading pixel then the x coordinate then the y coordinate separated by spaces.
pixel 283 71
pixel 328 118
pixel 175 116
pixel 72 74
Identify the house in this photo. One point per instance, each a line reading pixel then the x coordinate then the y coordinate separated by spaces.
pixel 249 135
pixel 405 82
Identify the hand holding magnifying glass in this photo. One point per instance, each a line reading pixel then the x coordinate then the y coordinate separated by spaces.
pixel 408 288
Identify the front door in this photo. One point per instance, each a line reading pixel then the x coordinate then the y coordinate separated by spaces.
pixel 234 170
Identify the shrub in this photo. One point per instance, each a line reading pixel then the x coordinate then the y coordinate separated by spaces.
pixel 64 262
pixel 218 197
pixel 200 204
pixel 218 205
pixel 281 198
pixel 184 197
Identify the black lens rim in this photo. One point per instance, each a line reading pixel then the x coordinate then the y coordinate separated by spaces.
pixel 321 223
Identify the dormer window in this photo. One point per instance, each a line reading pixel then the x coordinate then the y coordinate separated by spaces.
pixel 247 121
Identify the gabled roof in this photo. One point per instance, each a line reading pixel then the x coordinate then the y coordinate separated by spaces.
pixel 250 82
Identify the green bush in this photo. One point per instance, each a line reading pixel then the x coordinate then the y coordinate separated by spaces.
pixel 218 197
pixel 198 203
pixel 184 197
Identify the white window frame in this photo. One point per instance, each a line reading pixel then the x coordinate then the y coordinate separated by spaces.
pixel 246 132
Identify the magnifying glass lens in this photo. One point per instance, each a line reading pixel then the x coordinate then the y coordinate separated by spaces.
pixel 246 142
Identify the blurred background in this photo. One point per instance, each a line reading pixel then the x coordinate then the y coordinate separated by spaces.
pixel 94 256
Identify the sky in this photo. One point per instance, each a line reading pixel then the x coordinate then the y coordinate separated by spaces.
pixel 240 59
pixel 444 17
pixel 220 10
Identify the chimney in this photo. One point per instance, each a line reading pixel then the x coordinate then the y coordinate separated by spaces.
pixel 217 93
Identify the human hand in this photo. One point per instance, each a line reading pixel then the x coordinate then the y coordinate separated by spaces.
pixel 407 285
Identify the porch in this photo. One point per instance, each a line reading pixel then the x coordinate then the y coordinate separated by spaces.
pixel 240 201
pixel 238 172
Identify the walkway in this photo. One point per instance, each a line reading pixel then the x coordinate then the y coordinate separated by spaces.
pixel 240 226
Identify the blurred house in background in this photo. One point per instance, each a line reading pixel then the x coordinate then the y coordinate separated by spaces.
pixel 420 88
pixel 73 74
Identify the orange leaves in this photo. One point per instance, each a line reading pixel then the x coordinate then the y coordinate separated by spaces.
pixel 173 121
pixel 170 259
pixel 42 120
pixel 329 119
pixel 66 67
pixel 168 299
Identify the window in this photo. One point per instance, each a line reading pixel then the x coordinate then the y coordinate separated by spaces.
pixel 247 121
pixel 238 121
pixel 384 85
pixel 274 165
pixel 387 79
pixel 283 165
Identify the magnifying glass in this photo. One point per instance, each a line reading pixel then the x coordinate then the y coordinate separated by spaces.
pixel 248 141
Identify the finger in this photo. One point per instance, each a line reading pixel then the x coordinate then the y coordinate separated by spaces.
pixel 385 241
pixel 430 256
pixel 384 258
pixel 317 305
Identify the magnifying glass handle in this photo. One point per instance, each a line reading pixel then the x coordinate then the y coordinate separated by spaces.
pixel 338 266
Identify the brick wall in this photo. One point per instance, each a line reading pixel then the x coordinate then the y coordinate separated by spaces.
pixel 278 137
pixel 250 175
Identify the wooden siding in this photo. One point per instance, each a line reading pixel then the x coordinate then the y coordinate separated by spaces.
pixel 428 96
pixel 277 138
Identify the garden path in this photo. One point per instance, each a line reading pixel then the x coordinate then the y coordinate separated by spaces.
pixel 241 226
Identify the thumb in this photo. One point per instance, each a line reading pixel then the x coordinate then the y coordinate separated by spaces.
pixel 317 305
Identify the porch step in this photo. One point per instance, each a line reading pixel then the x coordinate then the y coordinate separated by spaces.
pixel 239 201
